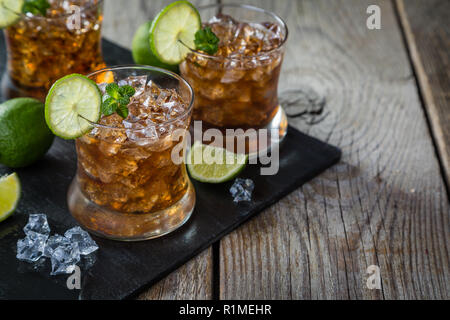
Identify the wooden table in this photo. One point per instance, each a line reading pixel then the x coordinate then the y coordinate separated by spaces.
pixel 386 203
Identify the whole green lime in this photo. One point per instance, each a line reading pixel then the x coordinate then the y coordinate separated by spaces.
pixel 24 135
pixel 140 48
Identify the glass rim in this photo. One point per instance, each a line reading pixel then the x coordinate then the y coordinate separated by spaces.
pixel 150 68
pixel 63 16
pixel 251 8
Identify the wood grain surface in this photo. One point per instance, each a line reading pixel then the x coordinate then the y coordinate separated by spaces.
pixel 191 281
pixel 385 204
pixel 427 29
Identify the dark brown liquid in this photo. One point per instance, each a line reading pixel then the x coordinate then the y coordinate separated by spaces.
pixel 237 87
pixel 42 50
pixel 135 179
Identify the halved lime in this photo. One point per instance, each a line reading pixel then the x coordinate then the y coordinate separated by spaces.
pixel 10 12
pixel 213 164
pixel 9 195
pixel 24 135
pixel 70 101
pixel 179 21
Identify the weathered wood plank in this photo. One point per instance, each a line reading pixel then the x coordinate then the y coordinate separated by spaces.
pixel 385 204
pixel 427 29
pixel 193 280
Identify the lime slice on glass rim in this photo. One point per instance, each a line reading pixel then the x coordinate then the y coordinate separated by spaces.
pixel 71 101
pixel 202 168
pixel 10 12
pixel 173 30
pixel 140 48
pixel 9 195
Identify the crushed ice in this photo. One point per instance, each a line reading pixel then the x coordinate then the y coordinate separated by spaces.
pixel 64 251
pixel 82 239
pixel 242 189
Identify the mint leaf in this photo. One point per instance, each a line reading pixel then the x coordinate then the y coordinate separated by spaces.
pixel 112 90
pixel 123 101
pixel 122 111
pixel 127 90
pixel 36 7
pixel 117 99
pixel 206 41
pixel 109 106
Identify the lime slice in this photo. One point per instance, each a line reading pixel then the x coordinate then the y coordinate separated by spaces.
pixel 70 101
pixel 214 165
pixel 10 12
pixel 177 22
pixel 9 195
pixel 140 48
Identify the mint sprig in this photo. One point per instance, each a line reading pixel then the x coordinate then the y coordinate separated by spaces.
pixel 206 41
pixel 117 99
pixel 36 7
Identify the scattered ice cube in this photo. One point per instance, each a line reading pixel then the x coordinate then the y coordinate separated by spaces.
pixel 242 189
pixel 64 258
pixel 54 242
pixel 31 248
pixel 37 223
pixel 63 251
pixel 84 241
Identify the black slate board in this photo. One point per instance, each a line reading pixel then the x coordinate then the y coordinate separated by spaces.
pixel 123 269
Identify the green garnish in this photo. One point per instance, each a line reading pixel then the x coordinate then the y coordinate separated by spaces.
pixel 117 100
pixel 206 40
pixel 35 7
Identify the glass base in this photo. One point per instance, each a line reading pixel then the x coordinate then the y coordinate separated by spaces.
pixel 279 124
pixel 276 131
pixel 128 226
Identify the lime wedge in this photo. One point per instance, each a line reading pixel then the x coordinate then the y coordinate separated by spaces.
pixel 10 12
pixel 214 165
pixel 9 195
pixel 70 101
pixel 179 21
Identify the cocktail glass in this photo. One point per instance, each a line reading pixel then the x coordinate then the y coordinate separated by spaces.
pixel 131 181
pixel 237 86
pixel 43 49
